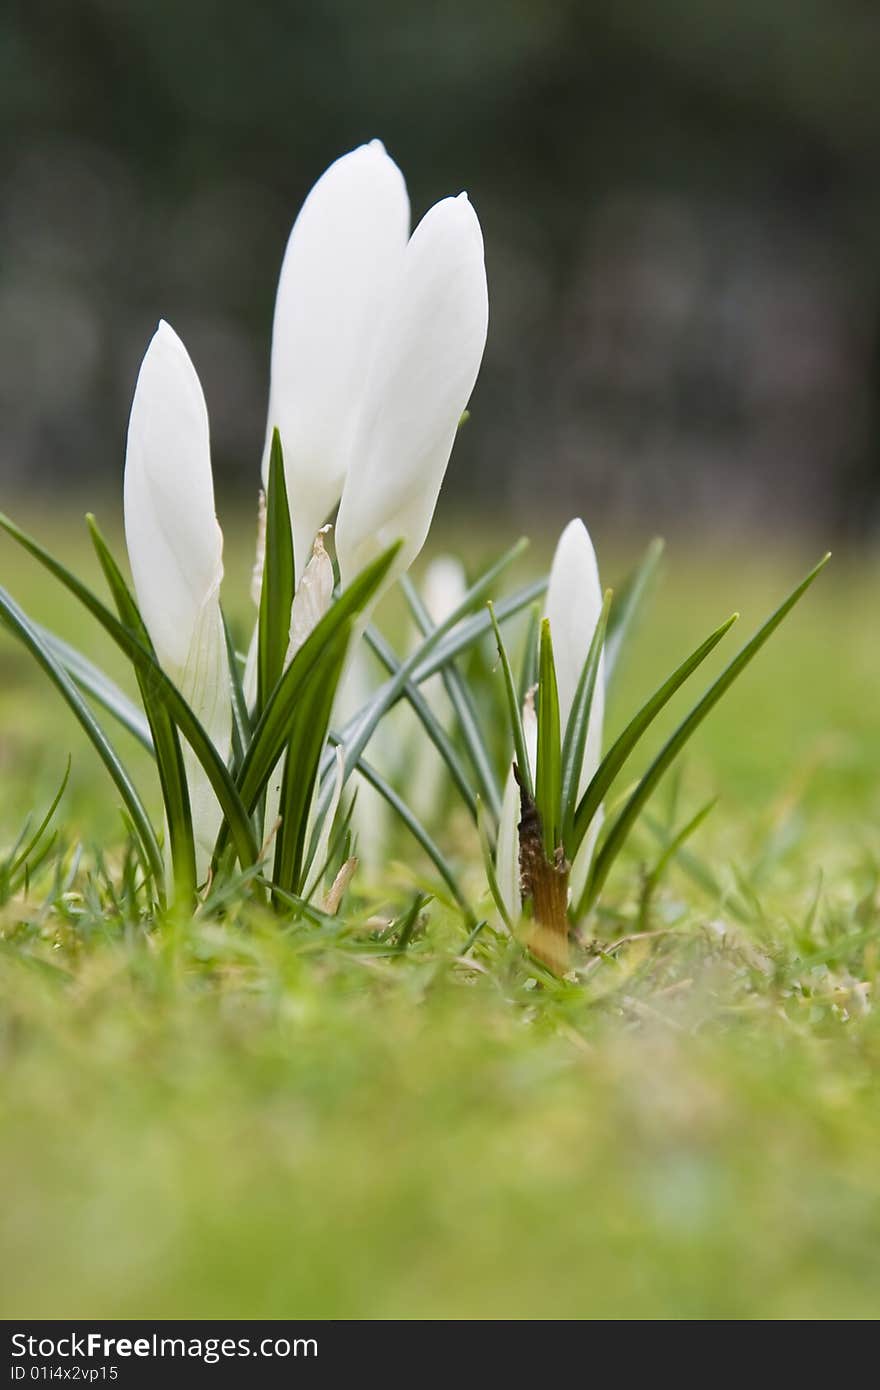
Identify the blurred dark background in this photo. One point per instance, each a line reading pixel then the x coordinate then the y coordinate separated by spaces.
pixel 680 201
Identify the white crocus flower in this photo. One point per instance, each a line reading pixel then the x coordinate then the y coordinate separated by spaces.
pixel 573 605
pixel 175 548
pixel 342 261
pixel 425 359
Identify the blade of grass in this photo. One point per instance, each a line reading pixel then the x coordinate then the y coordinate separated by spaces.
pixel 38 834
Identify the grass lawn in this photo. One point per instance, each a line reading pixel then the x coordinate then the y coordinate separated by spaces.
pixel 238 1116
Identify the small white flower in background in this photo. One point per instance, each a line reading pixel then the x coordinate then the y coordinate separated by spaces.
pixel 175 548
pixel 342 260
pixel 573 605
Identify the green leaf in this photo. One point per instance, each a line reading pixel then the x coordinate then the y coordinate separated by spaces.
pixel 578 725
pixel 462 702
pixel 19 623
pixel 528 674
pixel 548 776
pixel 470 631
pixel 618 833
pixel 302 761
pixel 276 595
pixel 514 709
pixel 313 661
pixel 619 752
pixel 357 732
pixel 223 786
pixel 169 757
pixel 95 683
pixel 630 597
pixel 416 829
pixel 428 719
pixel 241 719
pixel 491 874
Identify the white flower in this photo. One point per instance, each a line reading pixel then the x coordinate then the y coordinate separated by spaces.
pixel 342 260
pixel 573 606
pixel 175 548
pixel 425 359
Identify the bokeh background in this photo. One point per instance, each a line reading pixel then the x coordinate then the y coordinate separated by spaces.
pixel 681 210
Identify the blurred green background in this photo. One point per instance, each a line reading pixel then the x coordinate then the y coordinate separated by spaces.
pixel 680 205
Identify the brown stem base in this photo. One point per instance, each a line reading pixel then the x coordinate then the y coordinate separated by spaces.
pixel 544 882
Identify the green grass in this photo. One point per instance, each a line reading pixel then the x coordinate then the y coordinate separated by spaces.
pixel 239 1117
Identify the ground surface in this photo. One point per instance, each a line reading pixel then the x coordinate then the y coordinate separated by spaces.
pixel 236 1118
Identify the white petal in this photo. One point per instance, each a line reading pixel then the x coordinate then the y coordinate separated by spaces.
pixel 445 587
pixel 507 850
pixel 175 549
pixel 573 605
pixel 427 355
pixel 175 546
pixel 342 259
pixel 312 598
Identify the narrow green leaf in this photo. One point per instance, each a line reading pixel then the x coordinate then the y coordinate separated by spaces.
pixel 575 740
pixel 19 623
pixel 429 721
pixel 169 757
pixel 358 731
pixel 616 837
pixel 514 708
pixel 241 719
pixel 215 769
pixel 276 595
pixel 528 674
pixel 463 704
pixel 548 775
pixel 276 723
pixel 491 874
pixel 434 657
pixel 631 596
pixel 416 829
pixel 302 762
pixel 621 749
pixel 94 682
